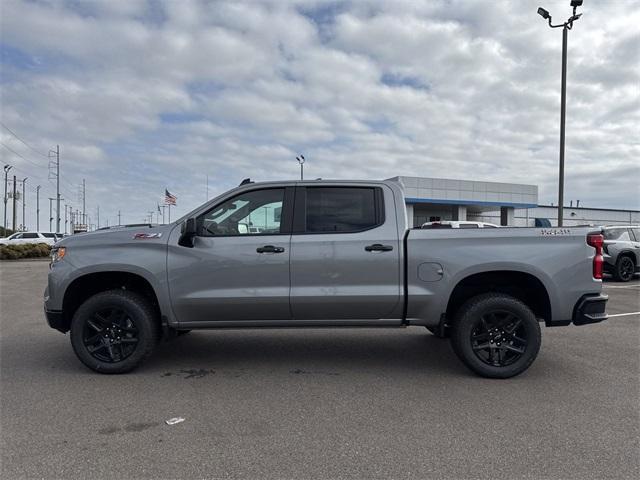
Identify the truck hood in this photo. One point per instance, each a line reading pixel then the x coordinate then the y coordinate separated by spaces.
pixel 120 235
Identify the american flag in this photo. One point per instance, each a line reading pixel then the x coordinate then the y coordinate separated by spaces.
pixel 168 198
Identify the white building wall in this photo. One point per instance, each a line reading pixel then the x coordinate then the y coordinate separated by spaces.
pixel 525 217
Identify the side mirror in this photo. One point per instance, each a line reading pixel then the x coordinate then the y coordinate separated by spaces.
pixel 187 233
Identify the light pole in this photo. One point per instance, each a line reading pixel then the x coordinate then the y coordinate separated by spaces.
pixel 566 26
pixel 6 172
pixel 301 161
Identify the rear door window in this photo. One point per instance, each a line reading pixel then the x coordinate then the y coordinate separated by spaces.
pixel 636 233
pixel 342 209
pixel 621 234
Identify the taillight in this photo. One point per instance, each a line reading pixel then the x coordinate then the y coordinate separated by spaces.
pixel 597 241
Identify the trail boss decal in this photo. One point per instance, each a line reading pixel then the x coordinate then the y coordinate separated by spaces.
pixel 555 231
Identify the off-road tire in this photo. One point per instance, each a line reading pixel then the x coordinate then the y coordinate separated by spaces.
pixel 490 310
pixel 137 311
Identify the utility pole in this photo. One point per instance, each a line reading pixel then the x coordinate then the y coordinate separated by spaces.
pixel 84 193
pixel 70 217
pixel 38 208
pixel 118 217
pixel 6 172
pixel 56 153
pixel 14 203
pixel 51 213
pixel 98 216
pixel 24 204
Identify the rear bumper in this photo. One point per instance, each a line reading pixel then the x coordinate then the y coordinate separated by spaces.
pixel 56 320
pixel 590 309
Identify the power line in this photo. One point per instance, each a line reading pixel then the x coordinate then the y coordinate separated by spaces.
pixel 25 143
pixel 16 153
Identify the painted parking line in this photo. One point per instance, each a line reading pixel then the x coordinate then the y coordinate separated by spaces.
pixel 624 314
pixel 621 286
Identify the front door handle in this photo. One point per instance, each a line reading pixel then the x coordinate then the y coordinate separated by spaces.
pixel 378 247
pixel 270 249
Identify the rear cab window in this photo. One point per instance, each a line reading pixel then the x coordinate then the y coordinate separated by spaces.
pixel 338 209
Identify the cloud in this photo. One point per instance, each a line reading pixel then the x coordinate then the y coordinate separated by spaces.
pixel 149 95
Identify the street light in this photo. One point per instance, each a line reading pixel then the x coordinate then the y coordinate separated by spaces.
pixel 301 161
pixel 566 26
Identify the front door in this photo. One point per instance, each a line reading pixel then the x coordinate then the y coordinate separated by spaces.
pixel 345 254
pixel 238 268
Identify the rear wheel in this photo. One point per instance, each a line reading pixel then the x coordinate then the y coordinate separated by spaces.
pixel 496 336
pixel 625 268
pixel 114 331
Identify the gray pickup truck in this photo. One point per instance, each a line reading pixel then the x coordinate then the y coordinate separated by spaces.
pixel 322 254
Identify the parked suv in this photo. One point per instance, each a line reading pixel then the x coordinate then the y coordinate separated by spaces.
pixel 622 251
pixel 21 238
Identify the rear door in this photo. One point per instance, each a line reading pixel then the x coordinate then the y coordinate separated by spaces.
pixel 345 254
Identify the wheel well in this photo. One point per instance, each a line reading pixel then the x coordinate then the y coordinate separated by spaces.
pixel 88 285
pixel 523 286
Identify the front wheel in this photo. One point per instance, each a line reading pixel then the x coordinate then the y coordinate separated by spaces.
pixel 496 336
pixel 114 331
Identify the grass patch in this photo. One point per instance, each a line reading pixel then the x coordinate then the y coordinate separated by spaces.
pixel 28 250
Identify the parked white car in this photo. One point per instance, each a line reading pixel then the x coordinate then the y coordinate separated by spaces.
pixel 20 238
pixel 458 224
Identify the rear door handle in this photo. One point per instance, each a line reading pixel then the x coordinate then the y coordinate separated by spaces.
pixel 270 249
pixel 378 247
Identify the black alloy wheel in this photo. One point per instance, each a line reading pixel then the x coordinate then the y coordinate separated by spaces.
pixel 499 338
pixel 110 335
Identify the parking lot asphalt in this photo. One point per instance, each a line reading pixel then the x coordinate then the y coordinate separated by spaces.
pixel 367 403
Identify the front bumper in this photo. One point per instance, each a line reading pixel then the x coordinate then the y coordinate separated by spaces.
pixel 56 320
pixel 590 309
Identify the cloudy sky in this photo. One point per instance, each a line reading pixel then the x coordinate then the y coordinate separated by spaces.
pixel 143 95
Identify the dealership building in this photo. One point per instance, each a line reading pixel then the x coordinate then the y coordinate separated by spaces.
pixel 512 204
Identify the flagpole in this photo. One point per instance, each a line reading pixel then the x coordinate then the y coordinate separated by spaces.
pixel 169 212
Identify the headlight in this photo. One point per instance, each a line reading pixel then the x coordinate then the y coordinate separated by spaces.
pixel 57 254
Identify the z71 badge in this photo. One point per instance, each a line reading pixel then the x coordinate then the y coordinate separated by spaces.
pixel 146 236
pixel 555 231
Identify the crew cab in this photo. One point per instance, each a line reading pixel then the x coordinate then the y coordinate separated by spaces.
pixel 322 254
